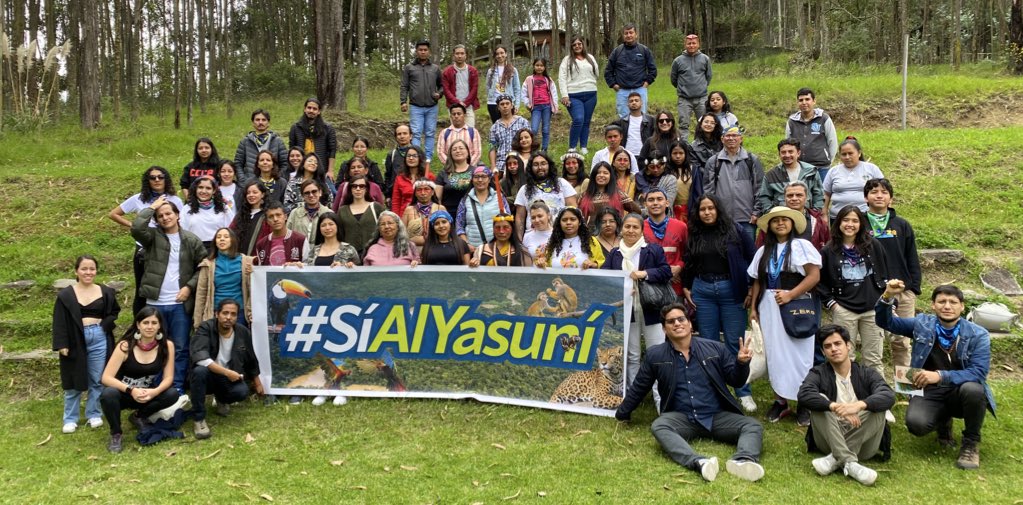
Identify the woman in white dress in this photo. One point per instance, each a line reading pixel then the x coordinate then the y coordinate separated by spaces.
pixel 784 269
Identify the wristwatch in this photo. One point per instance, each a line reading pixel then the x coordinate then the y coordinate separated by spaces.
pixel 129 389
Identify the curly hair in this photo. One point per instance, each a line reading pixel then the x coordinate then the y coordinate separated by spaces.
pixel 558 235
pixel 146 194
pixel 193 197
pixel 532 182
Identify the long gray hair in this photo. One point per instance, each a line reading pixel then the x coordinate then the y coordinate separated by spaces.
pixel 402 246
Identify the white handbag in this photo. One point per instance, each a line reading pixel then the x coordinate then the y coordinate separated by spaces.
pixel 755 342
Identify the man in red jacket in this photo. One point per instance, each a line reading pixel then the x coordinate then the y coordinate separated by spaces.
pixel 282 247
pixel 461 85
pixel 669 233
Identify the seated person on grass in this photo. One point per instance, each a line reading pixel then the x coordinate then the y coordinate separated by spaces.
pixel 692 376
pixel 847 403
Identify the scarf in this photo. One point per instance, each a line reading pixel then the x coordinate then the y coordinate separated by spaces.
pixel 424 208
pixel 311 212
pixel 852 255
pixel 628 253
pixel 206 205
pixel 775 266
pixel 659 229
pixel 261 140
pixel 947 337
pixel 878 224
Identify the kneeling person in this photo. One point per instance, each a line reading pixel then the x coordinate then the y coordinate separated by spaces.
pixel 222 356
pixel 847 404
pixel 692 376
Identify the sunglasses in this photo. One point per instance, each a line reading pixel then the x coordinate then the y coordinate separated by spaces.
pixel 672 320
pixel 156 177
pixel 665 121
pixel 311 193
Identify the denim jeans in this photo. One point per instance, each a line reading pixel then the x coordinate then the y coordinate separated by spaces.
pixel 822 172
pixel 580 107
pixel 686 107
pixel 673 430
pixel 622 100
pixel 206 382
pixel 177 327
pixel 423 121
pixel 717 312
pixel 96 353
pixel 541 118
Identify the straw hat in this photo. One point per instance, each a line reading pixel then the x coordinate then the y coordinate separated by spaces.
pixel 796 217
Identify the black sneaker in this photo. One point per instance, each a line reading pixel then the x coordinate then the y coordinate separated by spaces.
pixel 969 456
pixel 778 411
pixel 945 438
pixel 802 416
pixel 136 421
pixel 115 443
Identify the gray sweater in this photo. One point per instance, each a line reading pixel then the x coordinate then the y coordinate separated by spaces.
pixel 691 74
pixel 736 182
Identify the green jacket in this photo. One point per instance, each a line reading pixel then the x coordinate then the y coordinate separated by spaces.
pixel 772 188
pixel 157 252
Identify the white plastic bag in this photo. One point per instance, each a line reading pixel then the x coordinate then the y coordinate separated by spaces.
pixel 993 316
pixel 755 341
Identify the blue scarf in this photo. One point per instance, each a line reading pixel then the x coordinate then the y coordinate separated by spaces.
pixel 206 205
pixel 775 266
pixel 852 255
pixel 947 337
pixel 659 229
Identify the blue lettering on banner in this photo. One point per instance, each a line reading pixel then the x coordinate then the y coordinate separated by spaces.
pixel 430 329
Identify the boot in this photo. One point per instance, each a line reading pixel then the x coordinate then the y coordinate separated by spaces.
pixel 945 438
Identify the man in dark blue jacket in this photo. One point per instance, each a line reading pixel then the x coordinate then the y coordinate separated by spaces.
pixel 630 67
pixel 692 375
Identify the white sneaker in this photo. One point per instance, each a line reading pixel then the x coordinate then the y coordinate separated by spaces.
pixel 95 422
pixel 69 428
pixel 826 465
pixel 748 404
pixel 860 473
pixel 319 400
pixel 340 400
pixel 709 468
pixel 889 417
pixel 745 470
pixel 584 150
pixel 168 413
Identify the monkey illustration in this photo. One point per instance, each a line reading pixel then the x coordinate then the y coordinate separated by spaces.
pixel 567 300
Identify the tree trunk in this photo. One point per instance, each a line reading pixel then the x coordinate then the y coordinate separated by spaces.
pixel 1016 37
pixel 88 64
pixel 555 44
pixel 362 54
pixel 225 53
pixel 507 33
pixel 957 33
pixel 456 20
pixel 337 95
pixel 201 21
pixel 570 31
pixel 438 46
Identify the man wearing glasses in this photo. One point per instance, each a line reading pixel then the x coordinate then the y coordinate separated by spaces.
pixel 690 75
pixel 692 375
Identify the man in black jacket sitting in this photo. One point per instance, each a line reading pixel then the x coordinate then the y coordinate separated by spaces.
pixel 847 404
pixel 692 375
pixel 223 357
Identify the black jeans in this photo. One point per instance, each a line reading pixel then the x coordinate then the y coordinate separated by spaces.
pixel 205 382
pixel 114 401
pixel 940 403
pixel 138 265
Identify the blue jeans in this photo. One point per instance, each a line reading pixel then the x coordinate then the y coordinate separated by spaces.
pixel 206 382
pixel 96 353
pixel 541 117
pixel 580 107
pixel 423 120
pixel 822 171
pixel 177 326
pixel 750 229
pixel 622 100
pixel 717 312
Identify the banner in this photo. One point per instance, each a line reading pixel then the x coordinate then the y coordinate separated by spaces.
pixel 521 336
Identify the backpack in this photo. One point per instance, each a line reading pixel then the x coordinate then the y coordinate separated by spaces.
pixel 447 133
pixel 749 168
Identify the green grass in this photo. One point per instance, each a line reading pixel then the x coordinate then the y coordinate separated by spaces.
pixel 440 451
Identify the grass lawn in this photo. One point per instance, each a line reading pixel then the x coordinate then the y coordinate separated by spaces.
pixel 427 451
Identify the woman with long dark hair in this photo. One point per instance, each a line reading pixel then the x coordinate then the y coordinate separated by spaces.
pixel 608 228
pixel 571 244
pixel 600 191
pixel 358 168
pixel 227 180
pixel 360 151
pixel 854 274
pixel 572 169
pixel 784 269
pixel 156 182
pixel 502 79
pixel 205 162
pixel 268 175
pixel 223 274
pixel 621 165
pixel 665 134
pixel 359 216
pixel 504 250
pixel 714 278
pixel 312 169
pixel 578 76
pixel 524 145
pixel 654 175
pixel 417 215
pixel 410 169
pixel 706 139
pixel 514 176
pixel 442 246
pixel 294 166
pixel 455 179
pixel 83 328
pixel 688 179
pixel 207 212
pixel 249 222
pixel 144 354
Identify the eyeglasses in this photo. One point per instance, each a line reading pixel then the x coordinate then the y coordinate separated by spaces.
pixel 672 320
pixel 665 120
pixel 311 193
pixel 156 177
pixel 358 186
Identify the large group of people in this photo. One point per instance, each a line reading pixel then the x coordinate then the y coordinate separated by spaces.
pixel 703 220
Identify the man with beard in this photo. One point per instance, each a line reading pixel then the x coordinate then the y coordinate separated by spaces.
pixel 312 134
pixel 261 138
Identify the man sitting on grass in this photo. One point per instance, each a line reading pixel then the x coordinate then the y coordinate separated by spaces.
pixel 692 375
pixel 847 403
pixel 950 362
